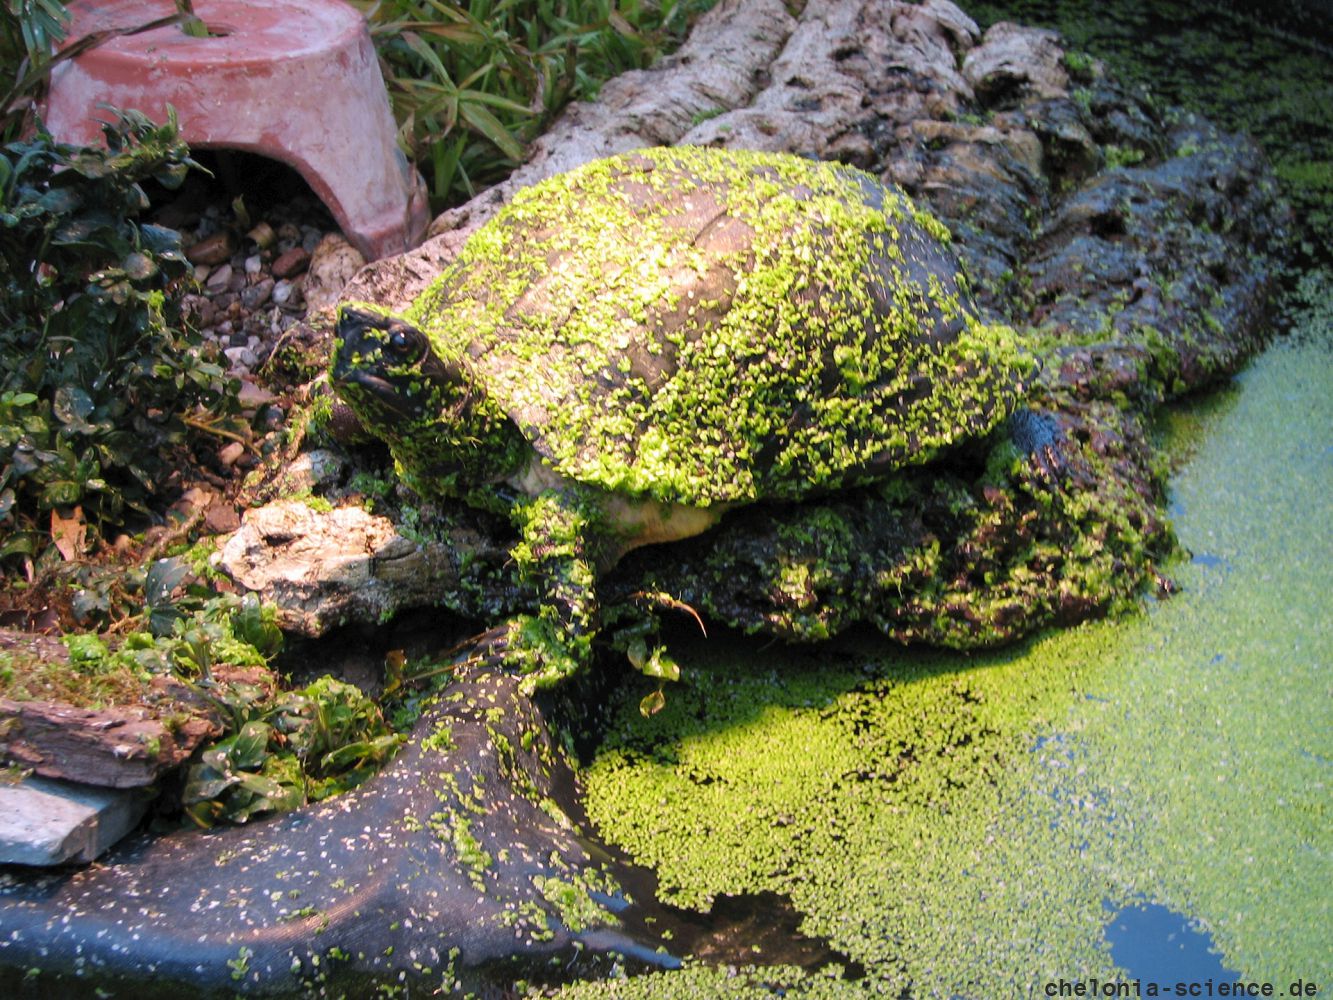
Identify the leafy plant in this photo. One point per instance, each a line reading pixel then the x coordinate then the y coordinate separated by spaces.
pixel 29 31
pixel 310 744
pixel 472 82
pixel 278 751
pixel 100 387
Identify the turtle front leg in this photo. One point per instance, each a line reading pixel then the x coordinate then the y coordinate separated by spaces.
pixel 559 527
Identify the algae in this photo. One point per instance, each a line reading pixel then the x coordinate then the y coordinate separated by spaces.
pixel 968 826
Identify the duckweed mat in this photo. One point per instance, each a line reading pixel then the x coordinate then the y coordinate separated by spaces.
pixel 974 826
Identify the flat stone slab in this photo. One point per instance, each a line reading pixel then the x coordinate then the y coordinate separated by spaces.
pixel 115 747
pixel 45 822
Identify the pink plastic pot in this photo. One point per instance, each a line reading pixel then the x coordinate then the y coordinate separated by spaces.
pixel 293 80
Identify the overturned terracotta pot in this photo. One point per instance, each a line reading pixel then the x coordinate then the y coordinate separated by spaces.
pixel 293 80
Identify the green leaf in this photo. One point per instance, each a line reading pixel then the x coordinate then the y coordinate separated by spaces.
pixel 488 125
pixel 72 406
pixel 252 624
pixel 163 577
pixel 249 747
pixel 429 56
pixel 139 266
pixel 159 240
pixel 658 664
pixel 662 665
pixel 201 789
pixel 652 704
pixel 60 201
pixel 61 493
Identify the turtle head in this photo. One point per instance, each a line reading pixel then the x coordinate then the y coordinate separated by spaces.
pixel 445 433
pixel 384 367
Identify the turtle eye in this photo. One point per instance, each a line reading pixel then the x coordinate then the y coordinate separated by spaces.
pixel 404 342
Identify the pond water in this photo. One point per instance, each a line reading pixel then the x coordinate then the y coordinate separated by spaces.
pixel 1136 807
pixel 1133 802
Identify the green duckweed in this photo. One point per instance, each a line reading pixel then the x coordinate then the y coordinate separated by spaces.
pixel 967 826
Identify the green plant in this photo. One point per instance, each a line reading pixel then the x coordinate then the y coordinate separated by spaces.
pixel 29 30
pixel 278 750
pixel 306 746
pixel 472 81
pixel 101 389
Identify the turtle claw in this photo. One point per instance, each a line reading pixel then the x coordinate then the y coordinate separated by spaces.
pixel 1037 435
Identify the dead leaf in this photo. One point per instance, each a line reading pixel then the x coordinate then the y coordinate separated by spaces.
pixel 69 533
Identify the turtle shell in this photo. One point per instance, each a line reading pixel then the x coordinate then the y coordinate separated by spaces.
pixel 706 326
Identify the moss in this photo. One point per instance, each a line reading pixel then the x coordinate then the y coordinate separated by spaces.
pixel 1122 156
pixel 571 902
pixel 1019 799
pixel 441 739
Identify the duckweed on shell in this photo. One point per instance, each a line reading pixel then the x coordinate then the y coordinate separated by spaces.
pixel 705 326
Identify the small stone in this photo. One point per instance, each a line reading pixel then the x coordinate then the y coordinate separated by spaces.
pixel 213 249
pixel 312 468
pixel 251 396
pixel 201 272
pixel 240 357
pixel 220 279
pixel 254 264
pixel 222 519
pixel 331 268
pixel 229 454
pixel 289 232
pixel 236 338
pixel 288 294
pixel 44 822
pixel 195 498
pixel 262 235
pixel 291 263
pixel 201 309
pixel 256 295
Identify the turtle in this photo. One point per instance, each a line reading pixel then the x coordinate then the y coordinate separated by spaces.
pixel 630 349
